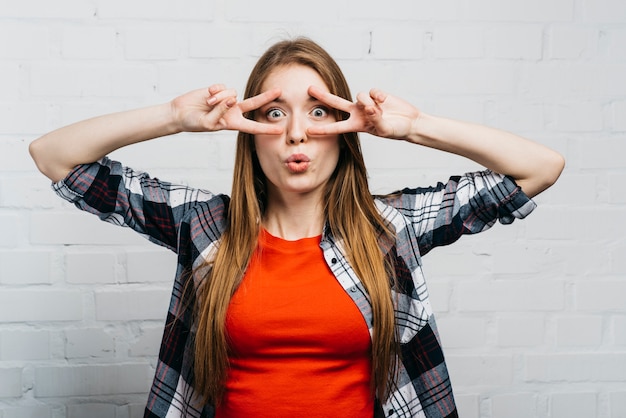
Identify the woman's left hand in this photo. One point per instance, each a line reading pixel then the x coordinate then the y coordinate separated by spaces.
pixel 376 113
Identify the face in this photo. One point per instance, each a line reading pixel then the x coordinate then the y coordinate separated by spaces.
pixel 293 162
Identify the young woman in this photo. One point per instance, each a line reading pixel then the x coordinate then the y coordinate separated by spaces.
pixel 300 294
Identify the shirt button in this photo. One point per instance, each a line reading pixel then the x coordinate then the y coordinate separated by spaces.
pixel 334 260
pixel 353 289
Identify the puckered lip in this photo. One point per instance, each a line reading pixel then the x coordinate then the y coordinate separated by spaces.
pixel 298 158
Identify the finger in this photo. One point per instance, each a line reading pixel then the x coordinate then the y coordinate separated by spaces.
pixel 330 99
pixel 216 88
pixel 335 128
pixel 221 96
pixel 259 100
pixel 378 95
pixel 257 128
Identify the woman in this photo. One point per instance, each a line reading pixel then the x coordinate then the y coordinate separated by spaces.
pixel 301 294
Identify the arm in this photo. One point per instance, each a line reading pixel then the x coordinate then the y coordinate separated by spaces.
pixel 212 109
pixel 533 166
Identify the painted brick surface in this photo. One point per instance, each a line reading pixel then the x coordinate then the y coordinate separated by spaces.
pixel 532 316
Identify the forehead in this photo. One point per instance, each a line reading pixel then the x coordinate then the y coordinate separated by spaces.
pixel 294 78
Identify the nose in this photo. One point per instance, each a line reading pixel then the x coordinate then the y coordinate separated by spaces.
pixel 296 130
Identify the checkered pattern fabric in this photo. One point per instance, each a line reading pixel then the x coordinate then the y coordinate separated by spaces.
pixel 190 222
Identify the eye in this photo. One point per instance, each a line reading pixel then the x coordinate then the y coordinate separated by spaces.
pixel 319 112
pixel 274 113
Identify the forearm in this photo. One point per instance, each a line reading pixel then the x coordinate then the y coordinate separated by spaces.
pixel 533 166
pixel 59 151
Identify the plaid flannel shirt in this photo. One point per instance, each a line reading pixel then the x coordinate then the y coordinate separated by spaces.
pixel 190 222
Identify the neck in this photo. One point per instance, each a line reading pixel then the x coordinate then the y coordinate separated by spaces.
pixel 296 218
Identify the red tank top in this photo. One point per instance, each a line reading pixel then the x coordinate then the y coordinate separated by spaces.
pixel 299 345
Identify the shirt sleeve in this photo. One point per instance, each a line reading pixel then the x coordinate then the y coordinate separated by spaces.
pixel 466 204
pixel 125 197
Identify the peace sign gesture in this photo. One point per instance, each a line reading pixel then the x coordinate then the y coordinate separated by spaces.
pixel 376 113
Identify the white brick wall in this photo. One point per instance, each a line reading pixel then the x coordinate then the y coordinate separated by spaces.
pixel 532 316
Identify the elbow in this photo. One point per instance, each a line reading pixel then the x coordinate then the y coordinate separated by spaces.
pixel 546 175
pixel 37 154
pixel 41 157
pixel 554 168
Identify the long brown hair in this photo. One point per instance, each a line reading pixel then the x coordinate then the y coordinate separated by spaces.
pixel 352 219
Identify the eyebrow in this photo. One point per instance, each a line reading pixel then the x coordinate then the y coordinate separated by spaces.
pixel 281 100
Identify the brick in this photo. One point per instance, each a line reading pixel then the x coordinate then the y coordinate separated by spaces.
pixel 600 295
pixel 398 42
pixel 552 223
pixel 91 267
pixel 617 39
pixel 150 266
pixel 514 405
pixel 579 331
pixel 604 11
pixel 34 9
pixel 89 343
pixel 574 188
pixel 467 405
pixel 603 220
pixel 577 117
pixel 130 305
pixel 572 42
pixel 40 305
pixel 472 108
pixel 202 45
pixel 136 410
pixel 516 115
pixel 283 11
pixel 27 192
pixel 86 79
pixel 524 260
pixel 11 231
pixel 374 10
pixel 62 80
pixel 10 382
pixel 561 79
pixel 472 78
pixel 517 331
pixel 618 404
pixel 607 80
pixel 24 41
pixel 147 343
pixel 93 410
pixel 74 228
pixel 462 332
pixel 436 264
pixel 9 81
pixel 600 153
pixel 515 41
pixel 618 110
pixel 91 380
pixel 618 329
pixel 28 412
pixel 87 43
pixel 574 405
pixel 458 42
pixel 194 10
pixel 152 42
pixel 15 155
pixel 511 295
pixel 439 294
pixel 476 371
pixel 529 11
pixel 25 267
pixel 24 345
pixel 571 368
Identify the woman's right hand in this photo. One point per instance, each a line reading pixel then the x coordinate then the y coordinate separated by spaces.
pixel 216 108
